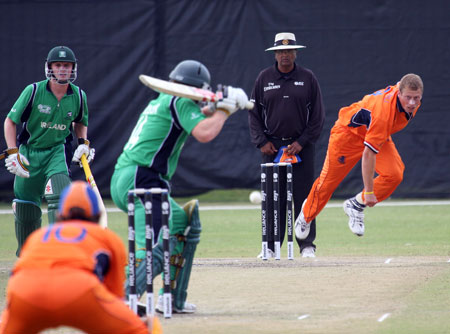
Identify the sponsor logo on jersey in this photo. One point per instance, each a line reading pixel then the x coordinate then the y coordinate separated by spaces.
pixel 271 86
pixel 54 126
pixel 69 115
pixel 299 83
pixel 151 109
pixel 194 115
pixel 13 110
pixel 44 109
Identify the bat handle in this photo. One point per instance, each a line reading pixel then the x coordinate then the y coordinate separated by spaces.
pixel 90 179
pixel 87 169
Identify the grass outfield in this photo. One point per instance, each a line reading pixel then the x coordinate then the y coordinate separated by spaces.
pixel 395 279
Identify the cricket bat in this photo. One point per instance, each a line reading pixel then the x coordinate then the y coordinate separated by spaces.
pixel 177 89
pixel 90 179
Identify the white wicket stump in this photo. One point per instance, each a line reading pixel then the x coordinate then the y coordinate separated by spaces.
pixel 167 297
pixel 150 302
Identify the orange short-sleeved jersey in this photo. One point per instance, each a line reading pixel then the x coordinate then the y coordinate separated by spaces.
pixel 77 245
pixel 376 117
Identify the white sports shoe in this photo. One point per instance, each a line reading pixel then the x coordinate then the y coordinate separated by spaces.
pixel 301 227
pixel 308 252
pixel 355 213
pixel 270 254
pixel 160 304
pixel 188 307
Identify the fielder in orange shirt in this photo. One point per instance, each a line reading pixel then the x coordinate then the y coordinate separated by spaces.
pixel 72 274
pixel 363 131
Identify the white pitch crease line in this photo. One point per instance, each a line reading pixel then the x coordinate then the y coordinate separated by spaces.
pixel 383 317
pixel 388 261
pixel 304 316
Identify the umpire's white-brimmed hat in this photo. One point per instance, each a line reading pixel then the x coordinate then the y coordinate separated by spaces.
pixel 285 41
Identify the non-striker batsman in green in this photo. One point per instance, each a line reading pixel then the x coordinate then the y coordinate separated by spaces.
pixel 40 155
pixel 149 159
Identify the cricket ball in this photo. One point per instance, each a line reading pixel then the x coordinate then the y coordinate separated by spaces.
pixel 255 197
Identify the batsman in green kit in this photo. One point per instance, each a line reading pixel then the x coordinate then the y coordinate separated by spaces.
pixel 149 159
pixel 40 155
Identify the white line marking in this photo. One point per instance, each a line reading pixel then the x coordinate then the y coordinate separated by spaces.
pixel 258 207
pixel 388 261
pixel 329 205
pixel 304 316
pixel 448 260
pixel 383 317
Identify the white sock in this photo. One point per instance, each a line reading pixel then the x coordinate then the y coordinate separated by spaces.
pixel 359 198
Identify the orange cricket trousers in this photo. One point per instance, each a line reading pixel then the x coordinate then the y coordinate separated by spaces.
pixel 345 149
pixel 38 299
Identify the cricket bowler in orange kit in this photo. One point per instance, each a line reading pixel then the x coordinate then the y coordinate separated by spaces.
pixel 71 274
pixel 363 131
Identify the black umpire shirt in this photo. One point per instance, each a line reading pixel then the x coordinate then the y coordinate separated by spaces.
pixel 288 106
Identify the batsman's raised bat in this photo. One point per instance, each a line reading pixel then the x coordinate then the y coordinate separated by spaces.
pixel 90 179
pixel 181 90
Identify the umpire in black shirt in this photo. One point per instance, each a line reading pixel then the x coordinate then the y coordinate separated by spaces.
pixel 288 112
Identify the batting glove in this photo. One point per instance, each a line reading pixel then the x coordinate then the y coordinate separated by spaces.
pixel 233 100
pixel 16 163
pixel 83 148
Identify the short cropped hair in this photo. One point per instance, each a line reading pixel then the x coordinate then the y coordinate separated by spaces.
pixel 411 81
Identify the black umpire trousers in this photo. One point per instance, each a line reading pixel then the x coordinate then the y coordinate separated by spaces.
pixel 303 179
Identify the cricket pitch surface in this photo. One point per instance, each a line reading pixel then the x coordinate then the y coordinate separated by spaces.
pixel 320 295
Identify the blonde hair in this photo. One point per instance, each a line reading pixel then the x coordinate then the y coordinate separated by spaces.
pixel 411 81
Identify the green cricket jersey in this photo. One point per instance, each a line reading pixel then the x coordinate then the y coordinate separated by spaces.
pixel 47 122
pixel 160 133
